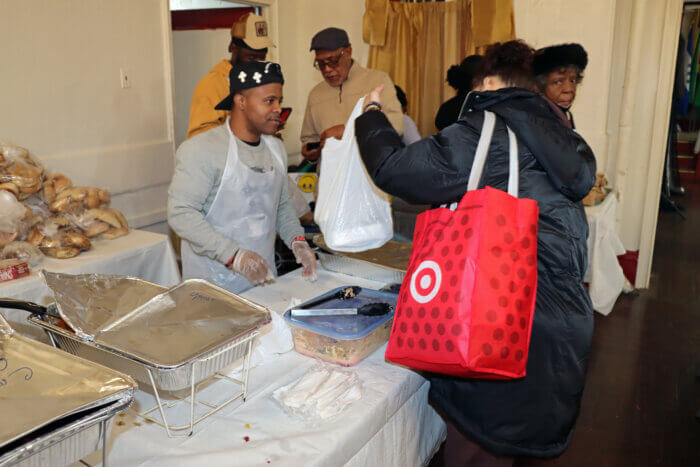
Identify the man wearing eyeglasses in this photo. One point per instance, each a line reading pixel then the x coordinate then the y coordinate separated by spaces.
pixel 249 42
pixel 330 102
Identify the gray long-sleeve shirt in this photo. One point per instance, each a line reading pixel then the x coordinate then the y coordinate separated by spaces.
pixel 200 163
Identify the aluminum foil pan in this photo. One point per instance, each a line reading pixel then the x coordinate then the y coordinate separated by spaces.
pixel 41 386
pixel 394 255
pixel 69 441
pixel 166 378
pixel 89 303
pixel 386 264
pixel 360 268
pixel 168 330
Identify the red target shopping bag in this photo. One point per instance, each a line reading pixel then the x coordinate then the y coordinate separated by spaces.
pixel 468 298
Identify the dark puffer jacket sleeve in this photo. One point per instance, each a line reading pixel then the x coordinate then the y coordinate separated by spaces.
pixel 405 171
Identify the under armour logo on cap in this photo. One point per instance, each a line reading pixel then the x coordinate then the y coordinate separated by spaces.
pixel 250 75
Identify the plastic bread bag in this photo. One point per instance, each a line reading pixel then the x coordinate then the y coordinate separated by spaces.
pixel 84 196
pixel 117 225
pixel 58 242
pixel 23 251
pixel 93 222
pixel 53 185
pixel 10 153
pixel 13 212
pixel 19 173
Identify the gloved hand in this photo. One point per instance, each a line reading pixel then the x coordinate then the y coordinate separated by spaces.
pixel 252 266
pixel 305 257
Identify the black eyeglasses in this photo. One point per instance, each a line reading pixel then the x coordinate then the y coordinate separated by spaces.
pixel 331 62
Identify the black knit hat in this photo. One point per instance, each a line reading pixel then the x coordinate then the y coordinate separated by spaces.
pixel 250 75
pixel 554 57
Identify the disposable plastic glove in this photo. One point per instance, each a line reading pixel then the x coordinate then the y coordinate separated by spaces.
pixel 306 257
pixel 252 266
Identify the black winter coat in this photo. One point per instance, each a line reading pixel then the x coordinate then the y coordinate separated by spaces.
pixel 534 415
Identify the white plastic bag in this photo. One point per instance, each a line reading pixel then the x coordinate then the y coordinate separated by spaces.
pixel 353 214
pixel 12 213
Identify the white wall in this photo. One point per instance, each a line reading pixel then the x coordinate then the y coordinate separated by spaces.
pixel 623 21
pixel 194 54
pixel 61 95
pixel 297 22
pixel 591 23
pixel 623 104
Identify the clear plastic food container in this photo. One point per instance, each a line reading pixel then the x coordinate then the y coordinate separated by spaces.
pixel 343 340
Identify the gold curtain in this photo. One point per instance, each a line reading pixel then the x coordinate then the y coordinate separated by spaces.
pixel 415 43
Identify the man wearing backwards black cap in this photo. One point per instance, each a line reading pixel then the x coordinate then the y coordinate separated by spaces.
pixel 229 197
pixel 331 102
pixel 558 70
pixel 249 42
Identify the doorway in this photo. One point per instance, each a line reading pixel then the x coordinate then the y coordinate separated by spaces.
pixel 200 38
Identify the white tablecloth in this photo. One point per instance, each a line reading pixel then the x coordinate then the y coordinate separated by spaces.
pixel 604 275
pixel 141 254
pixel 392 425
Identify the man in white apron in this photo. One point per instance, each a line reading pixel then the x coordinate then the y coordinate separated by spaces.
pixel 228 198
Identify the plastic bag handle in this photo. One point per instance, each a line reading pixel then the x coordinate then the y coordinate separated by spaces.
pixel 482 149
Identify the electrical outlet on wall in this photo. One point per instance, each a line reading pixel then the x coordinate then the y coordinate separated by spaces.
pixel 125 77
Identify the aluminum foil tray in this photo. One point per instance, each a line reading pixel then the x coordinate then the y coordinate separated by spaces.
pixel 360 268
pixel 54 406
pixel 387 264
pixel 194 321
pixel 394 255
pixel 165 378
pixel 69 443
pixel 89 303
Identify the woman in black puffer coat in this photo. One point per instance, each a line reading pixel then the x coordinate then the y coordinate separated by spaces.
pixel 535 415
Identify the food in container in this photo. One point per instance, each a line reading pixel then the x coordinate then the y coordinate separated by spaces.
pixel 342 339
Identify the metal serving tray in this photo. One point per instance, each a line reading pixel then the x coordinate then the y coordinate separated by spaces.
pixel 194 321
pixel 69 443
pixel 56 408
pixel 166 378
pixel 359 268
pixel 176 340
pixel 387 264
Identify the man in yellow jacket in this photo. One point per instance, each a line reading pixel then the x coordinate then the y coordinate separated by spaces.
pixel 249 42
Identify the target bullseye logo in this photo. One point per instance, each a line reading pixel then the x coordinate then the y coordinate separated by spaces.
pixel 429 278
